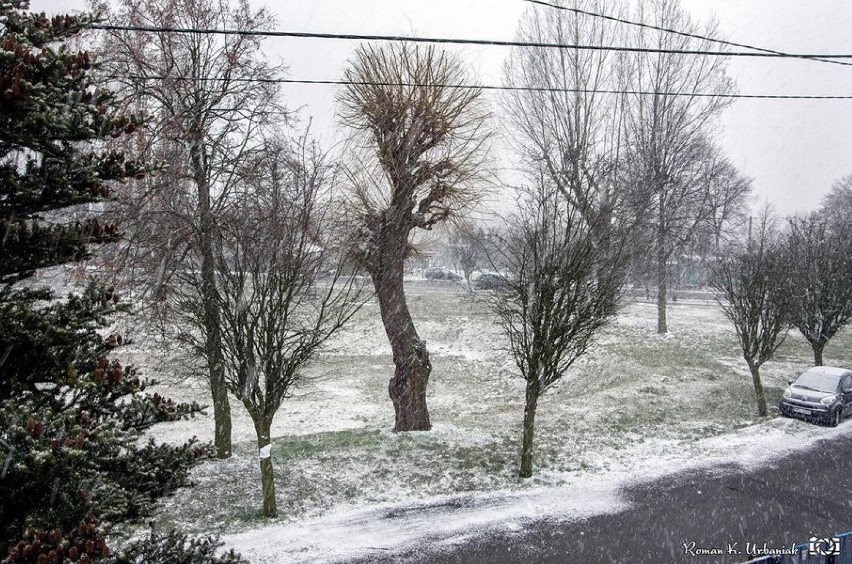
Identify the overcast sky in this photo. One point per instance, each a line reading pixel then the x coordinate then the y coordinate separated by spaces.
pixel 793 149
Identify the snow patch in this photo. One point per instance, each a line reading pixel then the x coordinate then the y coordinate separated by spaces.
pixel 448 520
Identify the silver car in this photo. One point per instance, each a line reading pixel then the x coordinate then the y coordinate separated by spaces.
pixel 821 393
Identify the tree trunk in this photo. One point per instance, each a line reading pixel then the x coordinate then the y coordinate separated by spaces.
pixel 662 273
pixel 662 325
pixel 216 368
pixel 407 388
pixel 209 297
pixel 529 428
pixel 267 477
pixel 758 390
pixel 818 348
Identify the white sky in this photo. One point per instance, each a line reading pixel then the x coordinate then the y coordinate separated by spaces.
pixel 793 149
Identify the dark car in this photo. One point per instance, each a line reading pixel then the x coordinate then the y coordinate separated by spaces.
pixel 492 282
pixel 821 393
pixel 441 273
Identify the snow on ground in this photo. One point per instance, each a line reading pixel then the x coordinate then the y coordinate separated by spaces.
pixel 636 408
pixel 446 520
pixel 441 521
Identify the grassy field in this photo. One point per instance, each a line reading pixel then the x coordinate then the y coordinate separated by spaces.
pixel 635 396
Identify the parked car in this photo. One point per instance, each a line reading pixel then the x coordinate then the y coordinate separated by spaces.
pixel 489 281
pixel 821 393
pixel 441 273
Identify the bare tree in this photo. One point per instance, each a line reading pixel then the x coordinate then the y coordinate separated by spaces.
pixel 755 297
pixel 281 287
pixel 819 262
pixel 418 160
pixel 466 247
pixel 563 288
pixel 566 127
pixel 668 123
pixel 565 250
pixel 209 107
pixel 728 209
pixel 838 201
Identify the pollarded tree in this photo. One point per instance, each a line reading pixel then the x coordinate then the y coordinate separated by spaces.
pixel 418 154
pixel 209 104
pixel 71 420
pixel 281 286
pixel 564 286
pixel 819 262
pixel 755 296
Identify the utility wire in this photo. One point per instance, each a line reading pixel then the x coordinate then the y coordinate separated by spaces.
pixel 496 87
pixel 456 41
pixel 572 90
pixel 690 35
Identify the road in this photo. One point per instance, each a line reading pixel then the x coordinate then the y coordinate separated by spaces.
pixel 808 493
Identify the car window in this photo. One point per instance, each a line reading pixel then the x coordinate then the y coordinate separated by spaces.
pixel 817 381
pixel 847 383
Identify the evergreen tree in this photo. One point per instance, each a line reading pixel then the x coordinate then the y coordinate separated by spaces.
pixel 71 419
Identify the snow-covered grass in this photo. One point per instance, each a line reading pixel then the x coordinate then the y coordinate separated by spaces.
pixel 636 407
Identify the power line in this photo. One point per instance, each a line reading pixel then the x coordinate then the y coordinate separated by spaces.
pixel 500 87
pixel 457 41
pixel 685 34
pixel 573 90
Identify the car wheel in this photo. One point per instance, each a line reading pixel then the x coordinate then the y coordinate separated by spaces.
pixel 835 418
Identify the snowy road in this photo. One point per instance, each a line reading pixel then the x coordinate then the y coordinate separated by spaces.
pixel 762 485
pixel 684 518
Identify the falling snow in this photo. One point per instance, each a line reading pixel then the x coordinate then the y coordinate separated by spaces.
pixel 639 407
